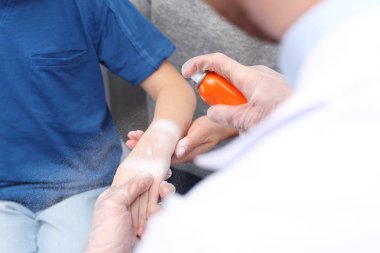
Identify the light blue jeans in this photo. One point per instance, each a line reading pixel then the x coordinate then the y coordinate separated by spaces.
pixel 61 228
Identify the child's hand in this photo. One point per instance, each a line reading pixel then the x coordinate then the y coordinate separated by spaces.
pixel 152 153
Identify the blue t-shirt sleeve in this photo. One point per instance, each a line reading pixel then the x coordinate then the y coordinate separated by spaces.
pixel 125 42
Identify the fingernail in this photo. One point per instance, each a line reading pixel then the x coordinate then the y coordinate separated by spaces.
pixel 171 189
pixel 184 67
pixel 181 147
pixel 140 231
pixel 180 152
pixel 131 134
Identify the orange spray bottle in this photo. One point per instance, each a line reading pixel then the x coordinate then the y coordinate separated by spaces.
pixel 214 89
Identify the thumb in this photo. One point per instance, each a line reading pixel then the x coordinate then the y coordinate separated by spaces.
pixel 189 142
pixel 182 147
pixel 226 115
pixel 166 190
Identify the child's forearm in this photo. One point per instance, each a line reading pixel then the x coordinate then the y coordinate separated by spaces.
pixel 177 105
pixel 175 99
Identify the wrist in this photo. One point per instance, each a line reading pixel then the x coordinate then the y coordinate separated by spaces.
pixel 165 133
pixel 165 127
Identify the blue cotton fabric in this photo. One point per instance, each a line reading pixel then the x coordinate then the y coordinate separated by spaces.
pixel 57 137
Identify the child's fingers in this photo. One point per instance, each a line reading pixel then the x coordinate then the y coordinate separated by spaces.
pixel 132 135
pixel 143 213
pixel 135 214
pixel 135 135
pixel 153 197
pixel 131 144
pixel 140 133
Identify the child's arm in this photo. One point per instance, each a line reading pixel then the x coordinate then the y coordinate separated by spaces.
pixel 175 99
pixel 175 103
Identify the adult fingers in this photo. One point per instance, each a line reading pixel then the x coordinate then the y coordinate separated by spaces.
pixel 187 145
pixel 182 147
pixel 196 135
pixel 198 150
pixel 166 190
pixel 267 70
pixel 230 69
pixel 169 174
pixel 225 115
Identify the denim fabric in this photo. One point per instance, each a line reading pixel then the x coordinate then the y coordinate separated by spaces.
pixel 62 227
pixel 57 137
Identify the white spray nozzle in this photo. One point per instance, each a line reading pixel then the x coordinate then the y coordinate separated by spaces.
pixel 198 76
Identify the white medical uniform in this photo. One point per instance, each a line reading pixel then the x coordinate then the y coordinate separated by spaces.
pixel 308 178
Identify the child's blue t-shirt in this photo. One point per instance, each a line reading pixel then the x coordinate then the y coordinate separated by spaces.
pixel 57 137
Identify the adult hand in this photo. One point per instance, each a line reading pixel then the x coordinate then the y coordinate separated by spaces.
pixel 201 137
pixel 264 88
pixel 112 229
pixel 152 154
